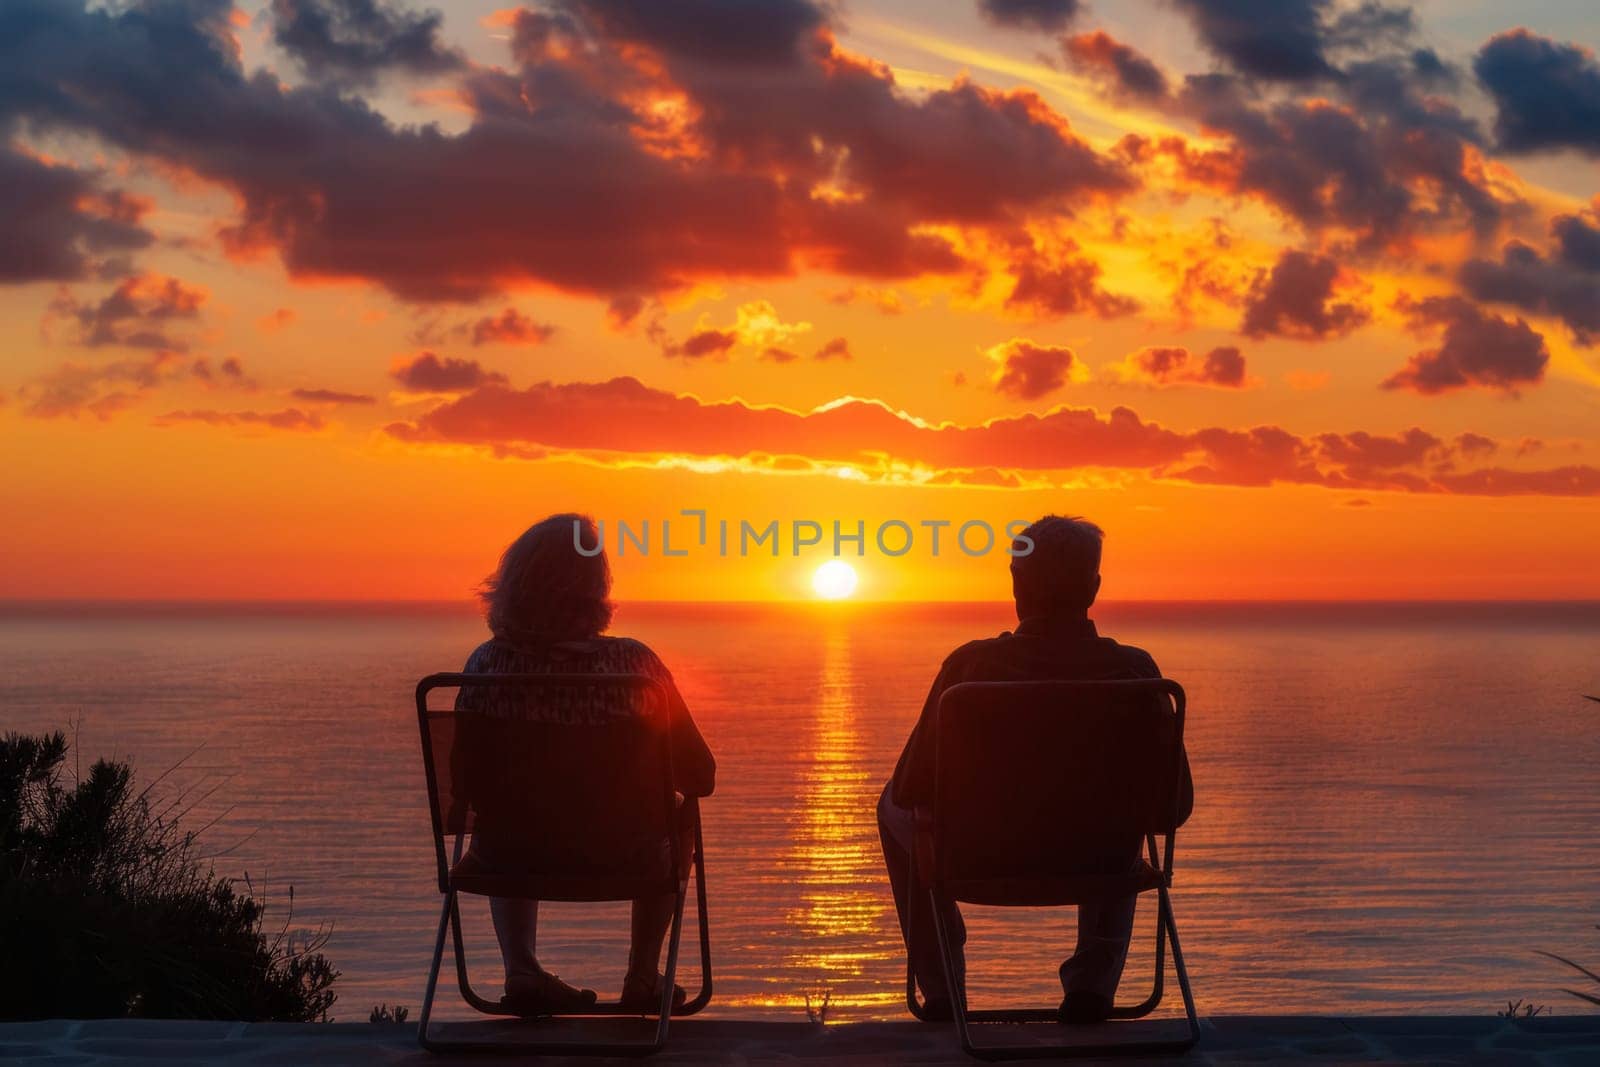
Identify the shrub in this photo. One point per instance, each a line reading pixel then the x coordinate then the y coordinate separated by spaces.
pixel 106 910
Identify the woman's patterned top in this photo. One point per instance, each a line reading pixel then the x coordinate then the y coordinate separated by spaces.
pixel 693 766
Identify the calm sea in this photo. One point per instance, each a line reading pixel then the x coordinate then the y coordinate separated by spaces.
pixel 1397 803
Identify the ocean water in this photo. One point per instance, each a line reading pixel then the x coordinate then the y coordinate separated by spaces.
pixel 1396 803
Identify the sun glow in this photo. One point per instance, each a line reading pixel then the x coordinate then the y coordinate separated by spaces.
pixel 834 580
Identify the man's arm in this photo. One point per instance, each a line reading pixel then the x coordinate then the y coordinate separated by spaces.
pixel 1186 782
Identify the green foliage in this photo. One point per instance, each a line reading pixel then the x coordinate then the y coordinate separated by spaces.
pixel 106 911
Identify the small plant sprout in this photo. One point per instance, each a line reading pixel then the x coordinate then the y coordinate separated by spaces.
pixel 817 1004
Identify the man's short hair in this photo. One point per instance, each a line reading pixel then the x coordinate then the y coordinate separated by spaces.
pixel 1059 574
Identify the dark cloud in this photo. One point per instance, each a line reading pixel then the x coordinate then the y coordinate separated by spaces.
pixel 101 390
pixel 230 373
pixel 775 354
pixel 1046 16
pixel 562 176
pixel 1578 239
pixel 1223 367
pixel 1051 282
pixel 1029 371
pixel 622 311
pixel 837 348
pixel 1298 298
pixel 1390 160
pixel 1271 39
pixel 887 301
pixel 292 419
pixel 138 313
pixel 1369 25
pixel 624 416
pixel 704 343
pixel 1363 454
pixel 1564 285
pixel 1499 481
pixel 1123 70
pixel 1477 348
pixel 724 33
pixel 1546 93
pixel 427 373
pixel 355 40
pixel 57 223
pixel 331 396
pixel 1292 40
pixel 510 327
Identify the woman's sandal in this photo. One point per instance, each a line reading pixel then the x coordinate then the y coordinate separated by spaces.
pixel 543 993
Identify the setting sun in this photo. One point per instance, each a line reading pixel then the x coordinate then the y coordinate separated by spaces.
pixel 834 580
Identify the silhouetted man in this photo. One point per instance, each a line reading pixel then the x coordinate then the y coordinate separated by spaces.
pixel 1054 586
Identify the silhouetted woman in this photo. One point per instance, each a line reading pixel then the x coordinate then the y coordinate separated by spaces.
pixel 548 605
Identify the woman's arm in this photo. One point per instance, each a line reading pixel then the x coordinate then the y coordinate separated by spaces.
pixel 694 768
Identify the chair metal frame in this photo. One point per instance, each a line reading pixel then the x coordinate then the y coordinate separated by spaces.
pixel 928 871
pixel 676 883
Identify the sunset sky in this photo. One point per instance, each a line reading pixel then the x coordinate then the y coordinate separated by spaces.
pixel 329 298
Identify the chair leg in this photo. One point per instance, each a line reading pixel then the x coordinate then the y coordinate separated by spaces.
pixel 913 1005
pixel 1158 988
pixel 1166 925
pixel 702 998
pixel 450 923
pixel 433 978
pixel 477 1001
pixel 1183 971
pixel 917 1008
pixel 670 973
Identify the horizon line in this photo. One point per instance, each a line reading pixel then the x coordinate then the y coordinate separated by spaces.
pixel 9 602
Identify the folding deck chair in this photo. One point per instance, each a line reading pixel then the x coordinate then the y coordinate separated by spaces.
pixel 559 782
pixel 1032 780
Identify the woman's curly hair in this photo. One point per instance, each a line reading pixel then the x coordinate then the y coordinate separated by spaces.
pixel 545 589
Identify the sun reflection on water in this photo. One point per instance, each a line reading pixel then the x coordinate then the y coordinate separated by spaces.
pixel 845 917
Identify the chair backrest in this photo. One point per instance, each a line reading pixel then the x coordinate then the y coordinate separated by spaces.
pixel 554 792
pixel 1042 779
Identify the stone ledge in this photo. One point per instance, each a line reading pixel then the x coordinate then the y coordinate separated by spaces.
pixel 1563 1041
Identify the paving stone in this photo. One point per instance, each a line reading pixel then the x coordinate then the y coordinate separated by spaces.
pixel 1561 1024
pixel 11 1051
pixel 1428 1044
pixel 1325 1041
pixel 175 1029
pixel 1462 1025
pixel 1332 1046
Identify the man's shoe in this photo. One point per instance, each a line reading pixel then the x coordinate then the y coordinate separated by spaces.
pixel 1080 1007
pixel 642 993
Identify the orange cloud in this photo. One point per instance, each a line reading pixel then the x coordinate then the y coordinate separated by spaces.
pixel 292 419
pixel 276 320
pixel 623 417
